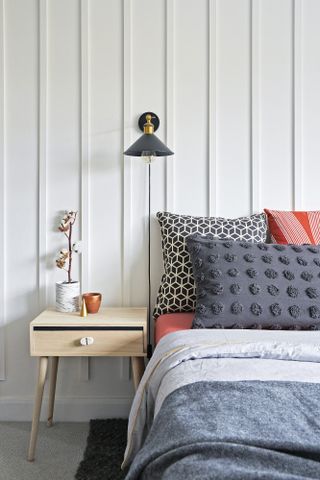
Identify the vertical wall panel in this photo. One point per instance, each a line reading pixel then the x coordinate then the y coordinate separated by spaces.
pixel 170 102
pixel 21 153
pixel 42 152
pixel 256 205
pixel 191 119
pixel 148 94
pixel 64 127
pixel 310 119
pixel 105 168
pixel 276 97
pixel 2 199
pixel 233 107
pixel 212 111
pixel 297 106
pixel 127 161
pixel 85 172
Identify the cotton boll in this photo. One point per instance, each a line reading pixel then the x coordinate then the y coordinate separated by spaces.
pixel 77 247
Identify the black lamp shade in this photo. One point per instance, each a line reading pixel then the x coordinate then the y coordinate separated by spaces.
pixel 148 145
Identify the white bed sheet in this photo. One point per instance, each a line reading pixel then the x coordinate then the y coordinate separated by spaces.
pixel 236 369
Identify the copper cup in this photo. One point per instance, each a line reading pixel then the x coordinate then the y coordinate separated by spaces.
pixel 93 301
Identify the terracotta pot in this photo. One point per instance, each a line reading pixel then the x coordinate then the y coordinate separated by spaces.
pixel 93 301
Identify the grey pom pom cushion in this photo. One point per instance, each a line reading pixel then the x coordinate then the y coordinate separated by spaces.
pixel 177 289
pixel 246 285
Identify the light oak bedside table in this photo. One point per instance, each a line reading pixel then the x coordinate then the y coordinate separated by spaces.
pixel 112 332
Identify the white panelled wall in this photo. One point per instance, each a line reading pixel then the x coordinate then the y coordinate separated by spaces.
pixel 236 84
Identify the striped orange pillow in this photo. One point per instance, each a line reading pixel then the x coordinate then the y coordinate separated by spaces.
pixel 294 227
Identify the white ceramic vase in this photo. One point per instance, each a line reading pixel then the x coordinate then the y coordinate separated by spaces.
pixel 68 297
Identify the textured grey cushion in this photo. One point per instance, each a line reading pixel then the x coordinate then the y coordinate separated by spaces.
pixel 246 285
pixel 177 289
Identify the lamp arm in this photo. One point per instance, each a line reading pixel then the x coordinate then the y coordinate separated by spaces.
pixel 149 347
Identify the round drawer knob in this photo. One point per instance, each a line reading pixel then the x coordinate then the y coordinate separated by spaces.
pixel 86 341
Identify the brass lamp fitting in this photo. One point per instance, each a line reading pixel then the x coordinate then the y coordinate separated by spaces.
pixel 148 127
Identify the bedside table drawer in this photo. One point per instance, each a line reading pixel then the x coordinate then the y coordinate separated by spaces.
pixel 96 341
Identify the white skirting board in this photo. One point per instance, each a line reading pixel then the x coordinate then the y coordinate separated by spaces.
pixel 69 409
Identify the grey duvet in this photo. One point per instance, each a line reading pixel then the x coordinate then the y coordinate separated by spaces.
pixel 234 430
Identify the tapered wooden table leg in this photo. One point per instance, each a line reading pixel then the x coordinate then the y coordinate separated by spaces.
pixel 137 370
pixel 43 365
pixel 52 388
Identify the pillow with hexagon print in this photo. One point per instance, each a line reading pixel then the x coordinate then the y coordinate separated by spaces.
pixel 246 285
pixel 177 289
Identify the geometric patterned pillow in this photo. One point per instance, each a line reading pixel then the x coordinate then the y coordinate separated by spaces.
pixel 177 289
pixel 294 227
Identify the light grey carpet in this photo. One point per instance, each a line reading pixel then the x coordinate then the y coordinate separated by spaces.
pixel 59 451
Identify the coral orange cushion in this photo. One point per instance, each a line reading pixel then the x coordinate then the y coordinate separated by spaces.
pixel 294 227
pixel 172 322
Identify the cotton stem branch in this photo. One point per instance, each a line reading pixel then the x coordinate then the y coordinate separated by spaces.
pixel 70 253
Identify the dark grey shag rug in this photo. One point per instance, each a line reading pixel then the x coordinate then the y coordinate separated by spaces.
pixel 103 456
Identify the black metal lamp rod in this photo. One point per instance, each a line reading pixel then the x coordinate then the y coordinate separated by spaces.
pixel 149 347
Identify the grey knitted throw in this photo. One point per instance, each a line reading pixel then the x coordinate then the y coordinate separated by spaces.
pixel 246 430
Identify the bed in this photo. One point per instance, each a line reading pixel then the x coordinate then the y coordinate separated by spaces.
pixel 237 396
pixel 228 404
